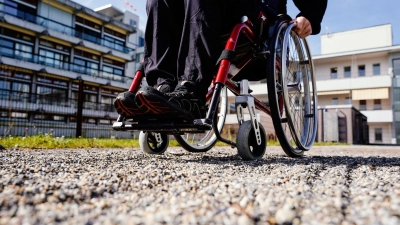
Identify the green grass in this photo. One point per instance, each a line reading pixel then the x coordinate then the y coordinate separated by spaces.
pixel 49 142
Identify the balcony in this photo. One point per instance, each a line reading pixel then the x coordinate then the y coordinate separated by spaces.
pixel 25 59
pixel 64 29
pixel 354 83
pixel 378 116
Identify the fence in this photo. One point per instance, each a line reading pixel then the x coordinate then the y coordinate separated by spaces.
pixel 31 114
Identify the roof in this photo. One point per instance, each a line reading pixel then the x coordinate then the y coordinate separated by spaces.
pixel 389 49
pixel 109 10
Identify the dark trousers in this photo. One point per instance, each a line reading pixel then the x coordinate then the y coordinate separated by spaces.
pixel 182 38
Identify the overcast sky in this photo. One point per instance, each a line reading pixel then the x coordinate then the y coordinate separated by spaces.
pixel 341 15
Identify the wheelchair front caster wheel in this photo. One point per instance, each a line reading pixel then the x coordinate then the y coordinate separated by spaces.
pixel 153 143
pixel 246 142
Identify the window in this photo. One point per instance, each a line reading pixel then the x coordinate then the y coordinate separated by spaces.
pixel 335 101
pixel 19 10
pixel 20 91
pixel 23 51
pixel 85 67
pixel 132 23
pixel 4 89
pixel 334 73
pixel 6 48
pixel 113 43
pixel 396 67
pixel 50 117
pixel 377 104
pixel 112 73
pixel 376 69
pixel 378 134
pixel 363 104
pixel 361 71
pixel 19 115
pixel 347 71
pixel 141 42
pixel 87 34
pixel 348 101
pixel 50 95
pixel 53 59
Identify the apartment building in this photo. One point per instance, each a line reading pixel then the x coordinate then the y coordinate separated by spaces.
pixel 57 56
pixel 361 68
pixel 358 69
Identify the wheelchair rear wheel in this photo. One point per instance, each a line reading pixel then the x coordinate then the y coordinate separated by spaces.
pixel 275 82
pixel 300 94
pixel 202 142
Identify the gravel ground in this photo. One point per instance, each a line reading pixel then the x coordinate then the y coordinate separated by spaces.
pixel 330 185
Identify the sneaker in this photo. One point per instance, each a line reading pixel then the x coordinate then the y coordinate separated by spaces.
pixel 126 106
pixel 182 101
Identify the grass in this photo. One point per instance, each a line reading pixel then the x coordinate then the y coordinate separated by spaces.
pixel 46 141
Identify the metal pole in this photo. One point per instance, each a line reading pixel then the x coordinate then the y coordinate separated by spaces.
pixel 79 116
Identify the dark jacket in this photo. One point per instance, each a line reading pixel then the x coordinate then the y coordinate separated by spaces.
pixel 313 10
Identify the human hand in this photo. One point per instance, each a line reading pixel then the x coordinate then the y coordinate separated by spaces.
pixel 303 27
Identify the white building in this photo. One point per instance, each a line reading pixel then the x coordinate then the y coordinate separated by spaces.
pixel 362 67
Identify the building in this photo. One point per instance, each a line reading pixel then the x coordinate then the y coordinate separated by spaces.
pixel 362 68
pixel 358 69
pixel 57 56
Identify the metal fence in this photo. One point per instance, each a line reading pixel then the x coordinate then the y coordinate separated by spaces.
pixel 32 114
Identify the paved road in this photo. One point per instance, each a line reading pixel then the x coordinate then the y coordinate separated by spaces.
pixel 331 185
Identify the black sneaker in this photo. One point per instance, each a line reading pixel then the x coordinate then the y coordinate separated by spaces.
pixel 181 102
pixel 126 106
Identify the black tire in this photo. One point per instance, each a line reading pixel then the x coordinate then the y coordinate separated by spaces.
pixel 246 141
pixel 300 94
pixel 275 92
pixel 149 144
pixel 202 142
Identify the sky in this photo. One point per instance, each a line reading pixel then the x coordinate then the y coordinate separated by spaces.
pixel 341 15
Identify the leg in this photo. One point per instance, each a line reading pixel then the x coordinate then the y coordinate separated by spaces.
pixel 204 22
pixel 162 38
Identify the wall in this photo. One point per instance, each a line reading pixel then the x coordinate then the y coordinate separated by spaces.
pixel 358 39
pixel 386 133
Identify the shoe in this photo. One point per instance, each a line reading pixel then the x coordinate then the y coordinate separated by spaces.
pixel 126 106
pixel 181 102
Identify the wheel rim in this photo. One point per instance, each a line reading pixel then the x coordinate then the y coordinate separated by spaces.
pixel 281 126
pixel 153 144
pixel 298 99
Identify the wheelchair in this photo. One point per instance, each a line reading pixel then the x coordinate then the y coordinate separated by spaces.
pixel 268 49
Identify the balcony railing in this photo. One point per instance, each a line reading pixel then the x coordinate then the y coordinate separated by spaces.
pixel 51 62
pixel 62 28
pixel 48 100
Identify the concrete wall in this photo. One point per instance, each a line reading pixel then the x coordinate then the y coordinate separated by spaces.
pixel 365 38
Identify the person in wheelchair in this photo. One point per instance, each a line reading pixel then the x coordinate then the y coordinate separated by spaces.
pixel 182 46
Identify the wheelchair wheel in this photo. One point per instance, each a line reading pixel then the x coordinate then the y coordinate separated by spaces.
pixel 246 141
pixel 202 142
pixel 276 88
pixel 300 94
pixel 149 144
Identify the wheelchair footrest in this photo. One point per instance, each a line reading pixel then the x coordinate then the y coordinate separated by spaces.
pixel 173 127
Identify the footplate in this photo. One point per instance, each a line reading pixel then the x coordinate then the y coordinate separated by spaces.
pixel 173 127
